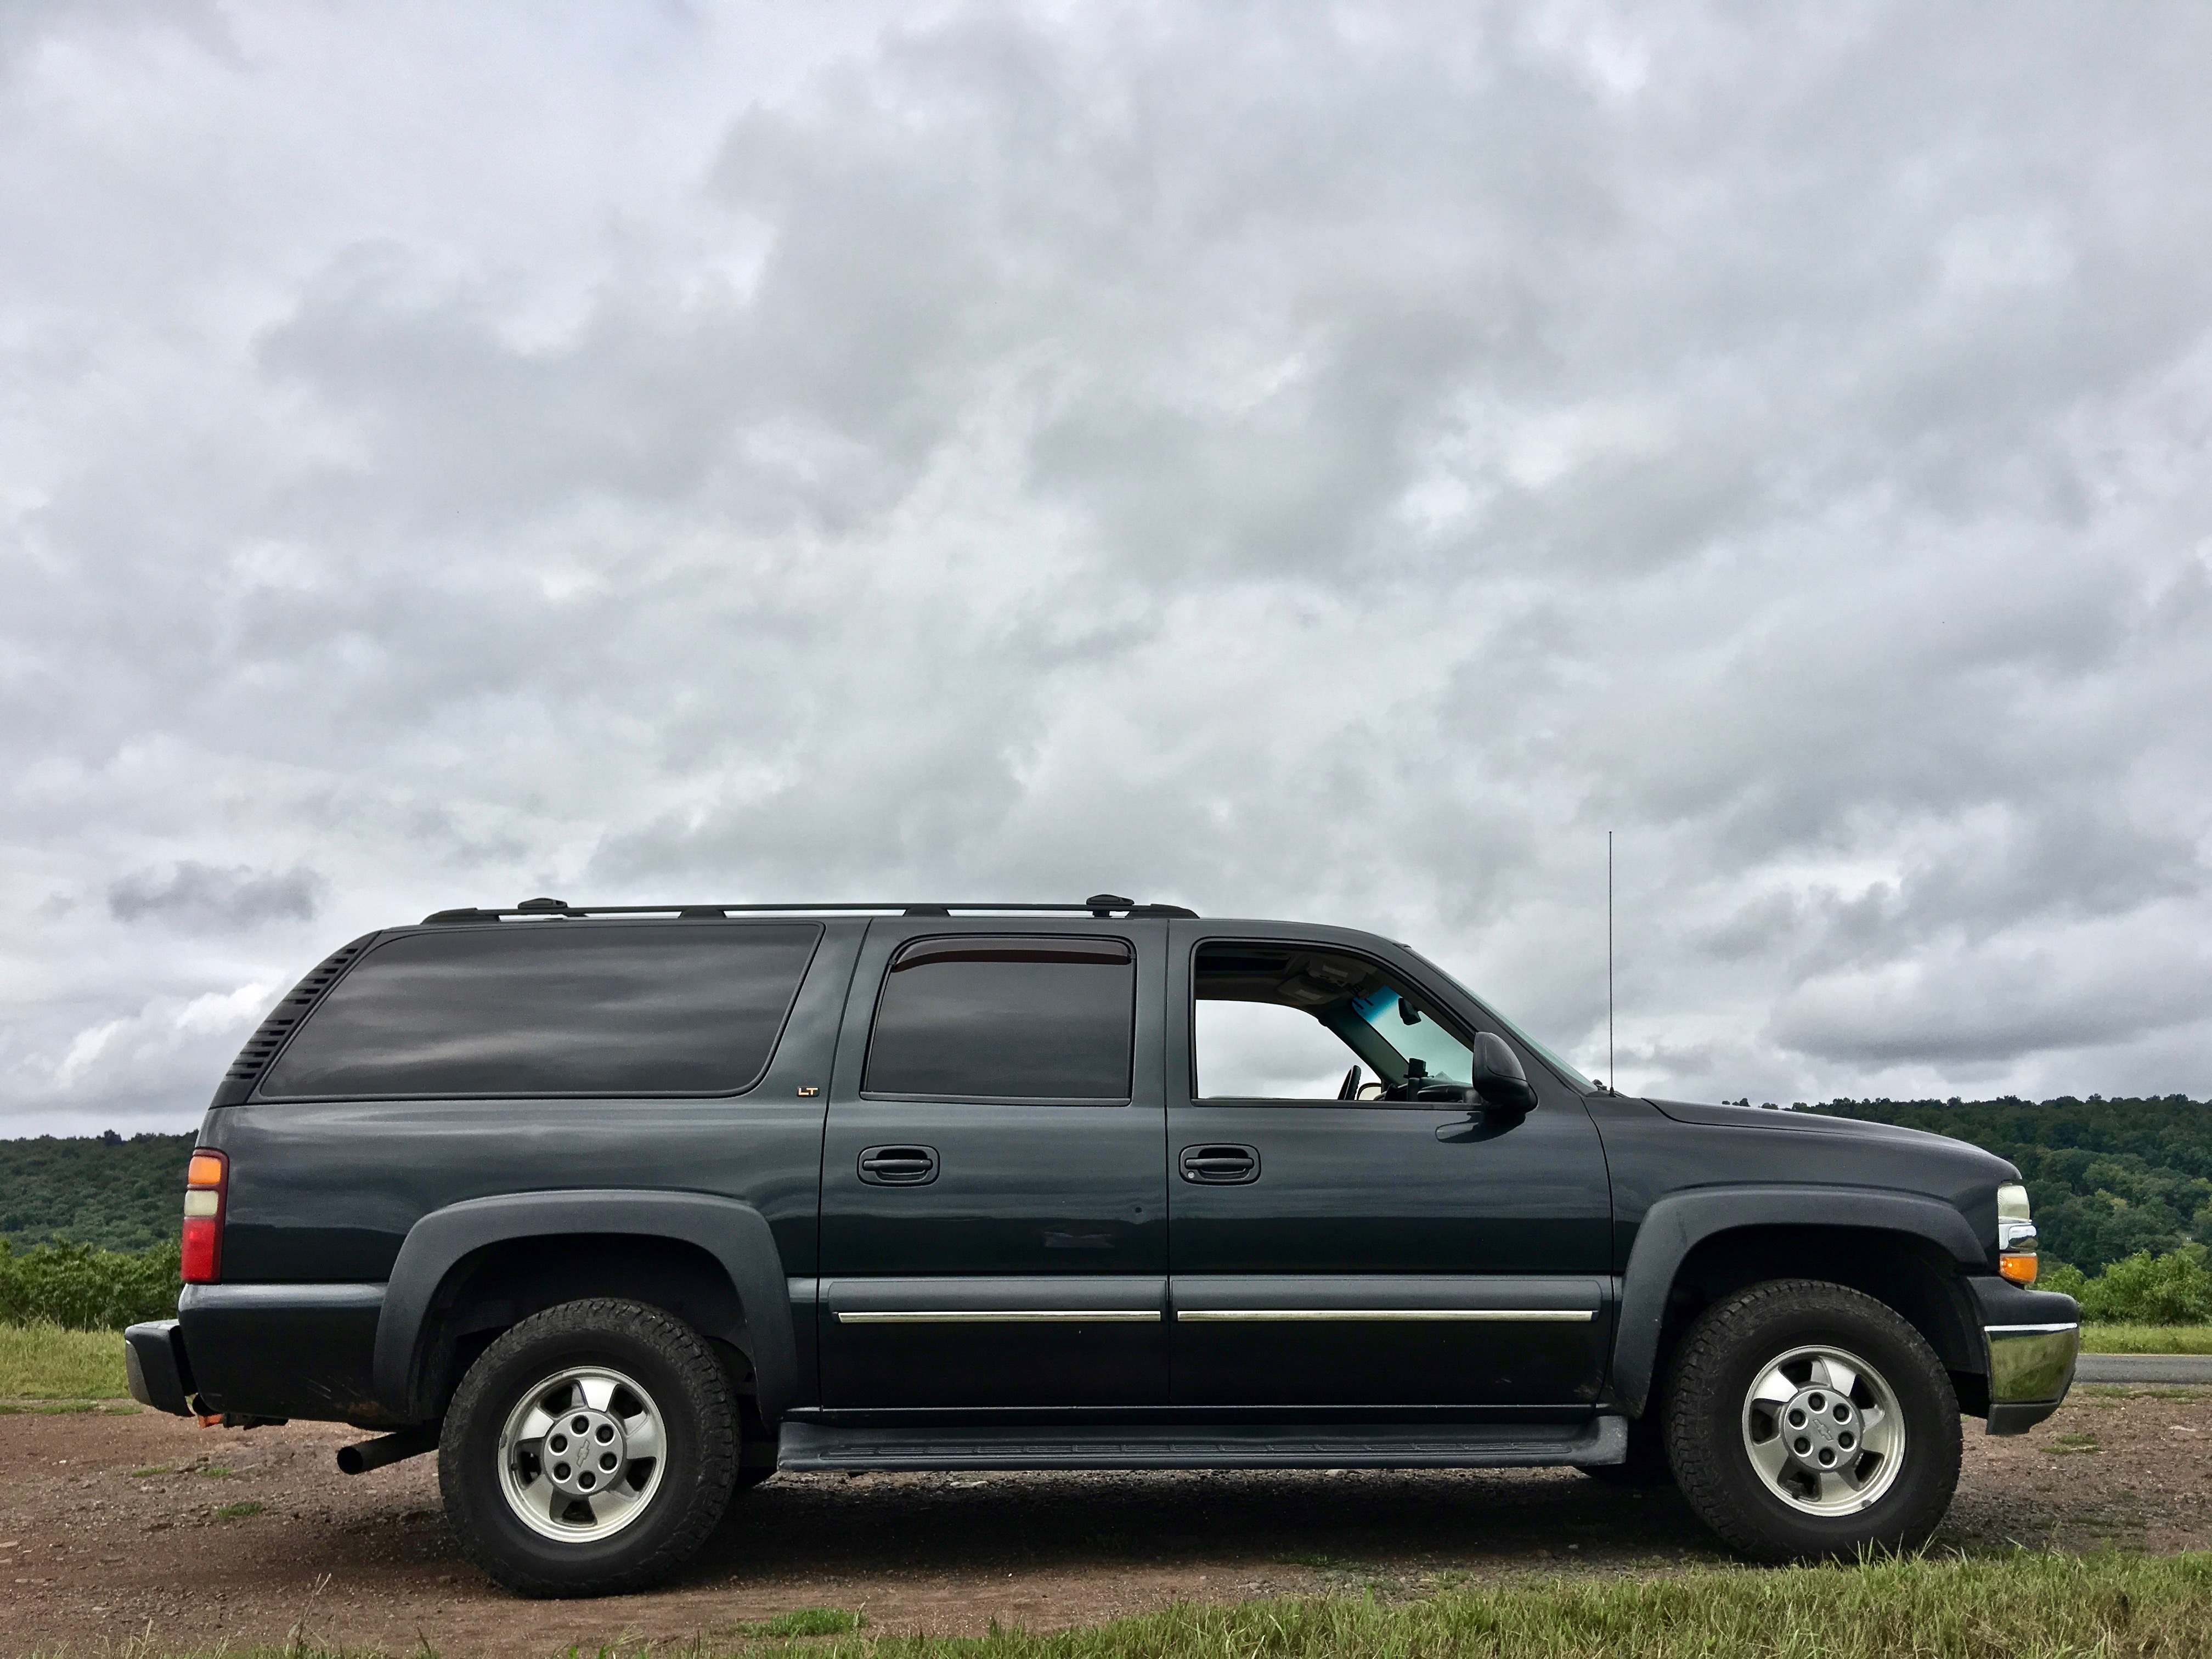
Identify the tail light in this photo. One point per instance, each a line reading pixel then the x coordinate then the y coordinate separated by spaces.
pixel 206 1185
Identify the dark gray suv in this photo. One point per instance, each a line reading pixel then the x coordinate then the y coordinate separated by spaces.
pixel 623 1209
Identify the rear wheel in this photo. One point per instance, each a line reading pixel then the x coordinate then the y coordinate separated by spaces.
pixel 590 1449
pixel 1805 1419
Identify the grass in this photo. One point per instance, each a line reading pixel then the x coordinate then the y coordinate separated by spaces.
pixel 2147 1338
pixel 2110 1394
pixel 238 1511
pixel 2023 1607
pixel 45 1362
pixel 806 1621
pixel 2017 1607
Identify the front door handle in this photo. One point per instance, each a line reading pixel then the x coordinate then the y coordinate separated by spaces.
pixel 899 1166
pixel 1219 1165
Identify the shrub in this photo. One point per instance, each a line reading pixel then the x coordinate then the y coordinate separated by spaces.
pixel 2174 1289
pixel 82 1289
pixel 2058 1276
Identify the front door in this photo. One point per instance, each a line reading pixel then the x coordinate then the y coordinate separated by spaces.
pixel 1349 1228
pixel 993 1204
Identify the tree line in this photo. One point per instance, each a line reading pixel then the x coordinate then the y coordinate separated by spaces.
pixel 2109 1179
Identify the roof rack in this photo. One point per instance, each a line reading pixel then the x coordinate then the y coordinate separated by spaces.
pixel 1102 905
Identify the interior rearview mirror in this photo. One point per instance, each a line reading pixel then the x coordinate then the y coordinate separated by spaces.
pixel 1499 1082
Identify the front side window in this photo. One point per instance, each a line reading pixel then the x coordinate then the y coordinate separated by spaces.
pixel 1572 1073
pixel 1274 1021
pixel 552 1008
pixel 1005 1018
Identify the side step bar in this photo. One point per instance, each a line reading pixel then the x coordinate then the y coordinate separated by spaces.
pixel 810 1446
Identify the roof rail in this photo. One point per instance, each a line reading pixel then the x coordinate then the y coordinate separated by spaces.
pixel 1098 904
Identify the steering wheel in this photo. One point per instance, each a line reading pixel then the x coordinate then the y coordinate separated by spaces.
pixel 1349 1090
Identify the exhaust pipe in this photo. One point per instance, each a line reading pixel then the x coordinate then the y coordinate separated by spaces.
pixel 364 1456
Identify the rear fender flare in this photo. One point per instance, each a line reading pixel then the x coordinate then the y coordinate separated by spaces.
pixel 735 1235
pixel 1680 1222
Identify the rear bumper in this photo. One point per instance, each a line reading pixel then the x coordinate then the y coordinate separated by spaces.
pixel 282 1350
pixel 154 1362
pixel 2033 1339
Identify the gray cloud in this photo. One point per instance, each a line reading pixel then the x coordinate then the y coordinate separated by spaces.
pixel 1292 462
pixel 198 896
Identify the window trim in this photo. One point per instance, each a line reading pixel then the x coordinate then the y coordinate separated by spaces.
pixel 260 1097
pixel 1451 1024
pixel 883 985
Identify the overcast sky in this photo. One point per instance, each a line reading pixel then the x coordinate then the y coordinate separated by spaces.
pixel 1327 464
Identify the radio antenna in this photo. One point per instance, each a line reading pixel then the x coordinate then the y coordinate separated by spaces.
pixel 1611 1083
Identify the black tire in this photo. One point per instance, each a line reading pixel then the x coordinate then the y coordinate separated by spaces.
pixel 685 1490
pixel 1646 1465
pixel 1734 1343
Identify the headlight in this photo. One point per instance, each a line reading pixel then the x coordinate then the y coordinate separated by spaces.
pixel 2015 1234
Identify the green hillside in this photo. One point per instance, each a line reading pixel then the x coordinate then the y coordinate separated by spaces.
pixel 100 1190
pixel 2107 1177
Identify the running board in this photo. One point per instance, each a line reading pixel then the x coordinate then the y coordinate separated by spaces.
pixel 806 1446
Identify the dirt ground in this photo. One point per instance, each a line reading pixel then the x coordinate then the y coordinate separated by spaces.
pixel 110 1523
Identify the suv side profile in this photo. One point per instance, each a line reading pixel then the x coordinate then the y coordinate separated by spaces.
pixel 621 1210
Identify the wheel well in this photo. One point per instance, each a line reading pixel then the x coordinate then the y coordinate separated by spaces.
pixel 1915 1276
pixel 496 1288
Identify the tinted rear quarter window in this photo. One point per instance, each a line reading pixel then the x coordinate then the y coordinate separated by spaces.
pixel 1005 1018
pixel 552 1008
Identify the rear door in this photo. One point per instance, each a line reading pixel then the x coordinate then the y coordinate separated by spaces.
pixel 1388 1248
pixel 994 1203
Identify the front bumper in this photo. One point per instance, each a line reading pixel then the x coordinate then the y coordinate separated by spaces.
pixel 155 1365
pixel 2033 1339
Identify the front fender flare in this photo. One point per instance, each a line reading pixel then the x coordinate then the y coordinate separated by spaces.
pixel 736 1235
pixel 1680 1222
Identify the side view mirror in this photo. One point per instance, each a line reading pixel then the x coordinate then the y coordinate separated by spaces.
pixel 1499 1082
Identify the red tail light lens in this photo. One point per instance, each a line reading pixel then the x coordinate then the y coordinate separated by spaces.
pixel 206 1185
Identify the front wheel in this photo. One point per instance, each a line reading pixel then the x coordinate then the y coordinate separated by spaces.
pixel 590 1449
pixel 1805 1419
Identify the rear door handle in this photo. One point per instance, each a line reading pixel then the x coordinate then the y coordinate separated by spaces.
pixel 899 1166
pixel 1219 1165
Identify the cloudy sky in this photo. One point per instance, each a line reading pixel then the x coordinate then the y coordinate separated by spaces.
pixel 1331 463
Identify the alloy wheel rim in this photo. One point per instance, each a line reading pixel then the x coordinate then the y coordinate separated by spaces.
pixel 581 1455
pixel 1823 1430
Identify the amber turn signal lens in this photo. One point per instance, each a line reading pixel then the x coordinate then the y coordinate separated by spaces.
pixel 204 1170
pixel 2020 1268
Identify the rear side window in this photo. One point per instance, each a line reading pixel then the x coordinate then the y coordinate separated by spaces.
pixel 552 1008
pixel 1013 1018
